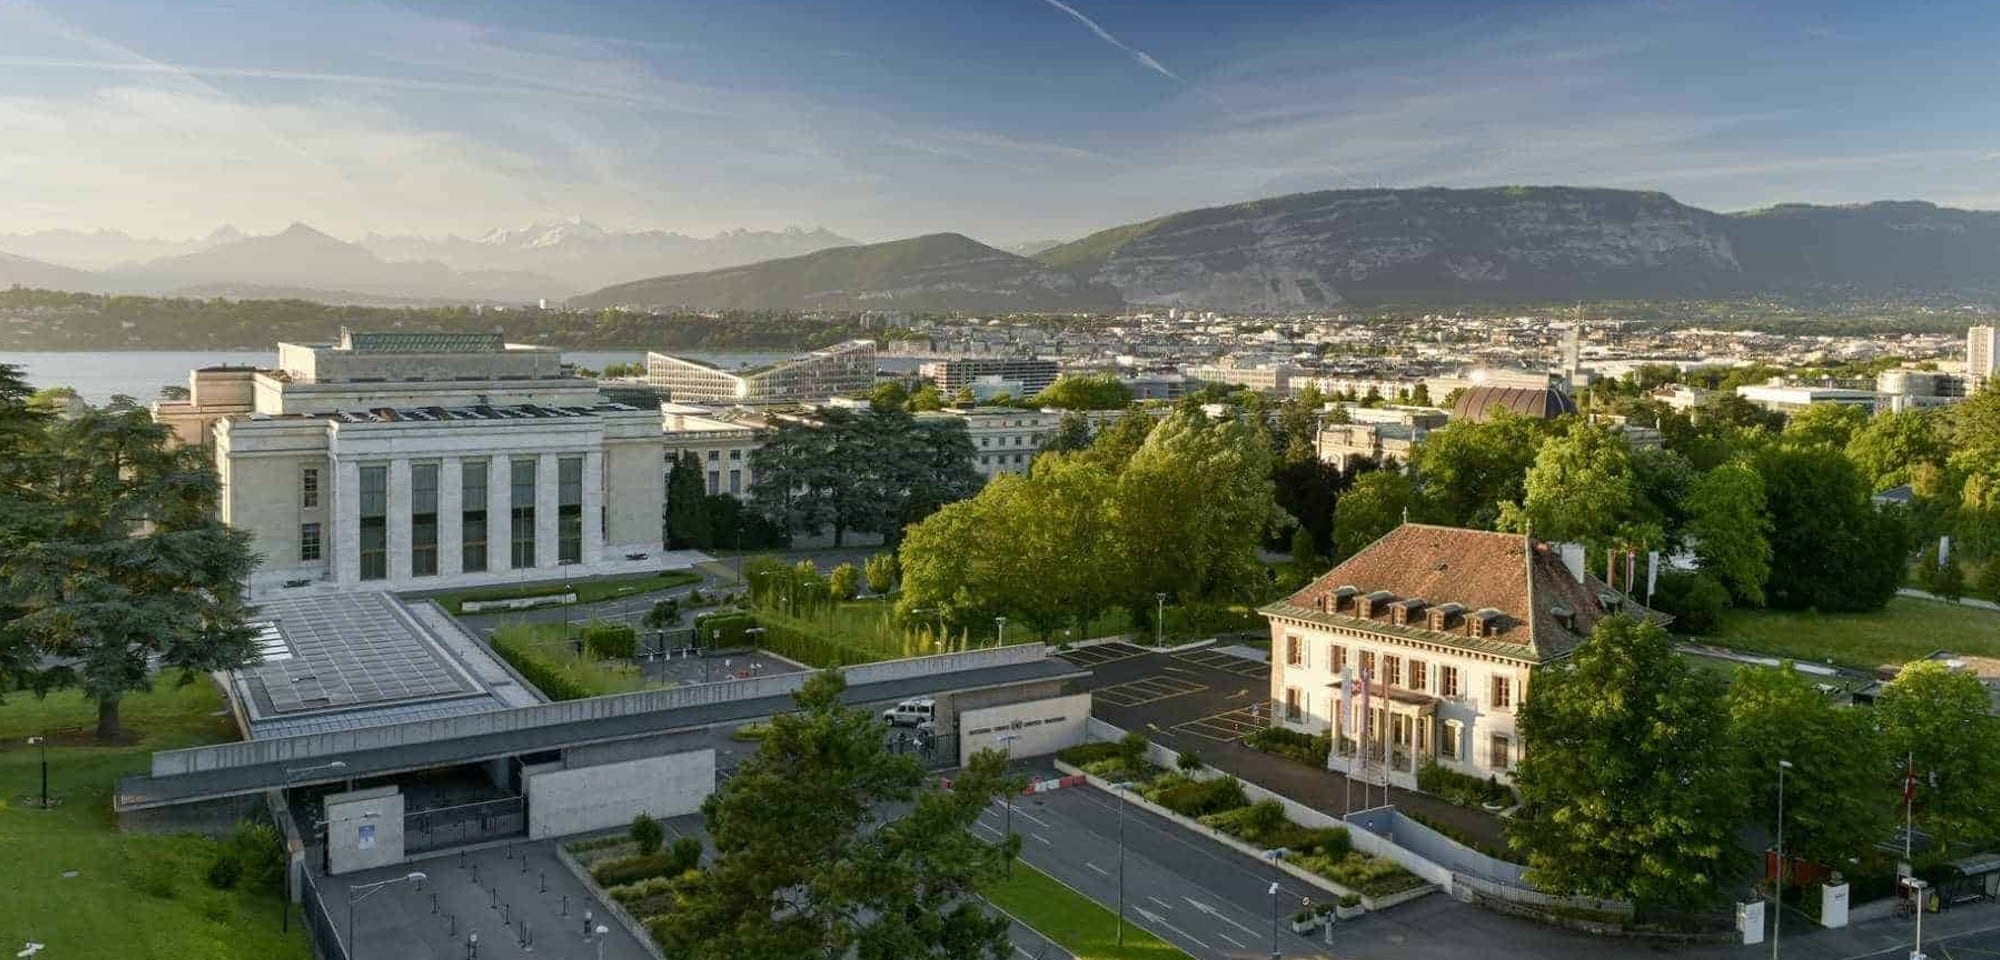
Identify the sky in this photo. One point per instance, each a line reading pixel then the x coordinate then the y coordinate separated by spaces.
pixel 1007 120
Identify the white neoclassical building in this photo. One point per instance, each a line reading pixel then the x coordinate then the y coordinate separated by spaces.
pixel 417 461
pixel 1422 647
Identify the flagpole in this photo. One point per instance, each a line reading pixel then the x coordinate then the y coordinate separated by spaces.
pixel 1909 795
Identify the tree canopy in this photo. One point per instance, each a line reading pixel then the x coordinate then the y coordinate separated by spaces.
pixel 1621 793
pixel 1095 391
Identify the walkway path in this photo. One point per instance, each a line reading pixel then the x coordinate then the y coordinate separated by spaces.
pixel 1973 602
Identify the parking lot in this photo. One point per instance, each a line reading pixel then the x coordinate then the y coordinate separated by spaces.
pixel 1147 690
pixel 1103 653
pixel 1226 662
pixel 1205 693
pixel 1227 725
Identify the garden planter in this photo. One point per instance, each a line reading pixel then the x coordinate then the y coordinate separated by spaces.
pixel 1349 913
pixel 1305 926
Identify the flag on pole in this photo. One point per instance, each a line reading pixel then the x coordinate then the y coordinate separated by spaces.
pixel 1652 573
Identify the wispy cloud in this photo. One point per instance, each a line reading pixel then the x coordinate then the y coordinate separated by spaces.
pixel 1145 59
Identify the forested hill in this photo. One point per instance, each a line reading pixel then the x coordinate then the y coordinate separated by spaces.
pixel 46 320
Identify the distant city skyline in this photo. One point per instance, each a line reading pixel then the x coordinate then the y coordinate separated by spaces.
pixel 1007 120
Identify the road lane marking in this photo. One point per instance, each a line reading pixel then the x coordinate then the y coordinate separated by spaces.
pixel 1100 870
pixel 1240 945
pixel 1162 921
pixel 1217 914
pixel 1162 903
pixel 1043 839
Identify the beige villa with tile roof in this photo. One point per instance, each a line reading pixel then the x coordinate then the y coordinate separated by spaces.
pixel 1447 626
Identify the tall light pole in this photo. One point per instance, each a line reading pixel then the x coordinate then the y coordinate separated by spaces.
pixel 43 742
pixel 1160 620
pixel 360 892
pixel 1121 787
pixel 1917 888
pixel 1274 856
pixel 1778 884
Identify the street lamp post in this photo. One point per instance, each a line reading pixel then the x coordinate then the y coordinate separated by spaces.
pixel 1001 635
pixel 43 743
pixel 1274 856
pixel 602 932
pixel 1778 884
pixel 1917 888
pixel 1160 621
pixel 360 892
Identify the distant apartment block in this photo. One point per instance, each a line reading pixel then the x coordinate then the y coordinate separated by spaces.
pixel 1982 356
pixel 1032 373
pixel 1275 379
pixel 841 370
pixel 424 461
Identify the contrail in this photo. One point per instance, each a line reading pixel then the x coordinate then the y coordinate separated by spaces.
pixel 1144 58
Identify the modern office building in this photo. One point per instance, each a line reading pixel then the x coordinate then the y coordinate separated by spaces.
pixel 1982 356
pixel 1907 389
pixel 844 369
pixel 1785 398
pixel 412 460
pixel 1032 373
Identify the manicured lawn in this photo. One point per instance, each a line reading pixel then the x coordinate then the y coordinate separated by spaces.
pixel 133 896
pixel 587 591
pixel 1075 922
pixel 1905 630
pixel 536 647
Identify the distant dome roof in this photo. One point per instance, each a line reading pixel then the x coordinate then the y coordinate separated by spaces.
pixel 1479 404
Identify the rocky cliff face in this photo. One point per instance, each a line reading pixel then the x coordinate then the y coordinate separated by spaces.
pixel 1319 250
pixel 939 272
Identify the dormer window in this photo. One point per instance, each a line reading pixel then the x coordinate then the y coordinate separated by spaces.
pixel 1405 612
pixel 1611 602
pixel 1341 598
pixel 1373 603
pixel 1483 624
pixel 1564 616
pixel 1443 616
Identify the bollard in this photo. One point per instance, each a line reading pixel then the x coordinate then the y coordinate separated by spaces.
pixel 472 946
pixel 495 904
pixel 506 915
pixel 565 909
pixel 434 903
pixel 454 926
pixel 586 924
pixel 510 851
pixel 524 863
pixel 545 881
pixel 461 859
pixel 475 874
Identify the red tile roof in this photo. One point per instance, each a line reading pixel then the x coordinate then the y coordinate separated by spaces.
pixel 1477 570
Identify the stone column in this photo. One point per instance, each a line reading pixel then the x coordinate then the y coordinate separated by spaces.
pixel 451 517
pixel 399 520
pixel 499 514
pixel 546 553
pixel 342 537
pixel 594 519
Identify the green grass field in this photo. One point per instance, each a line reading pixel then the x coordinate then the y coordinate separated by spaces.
pixel 587 591
pixel 1905 630
pixel 133 896
pixel 1075 922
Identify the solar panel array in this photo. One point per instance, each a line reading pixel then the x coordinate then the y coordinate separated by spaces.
pixel 350 650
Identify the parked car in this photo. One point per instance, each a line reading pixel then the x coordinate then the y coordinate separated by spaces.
pixel 911 713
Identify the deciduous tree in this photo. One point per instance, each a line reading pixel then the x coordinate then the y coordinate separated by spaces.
pixel 1939 720
pixel 1729 529
pixel 1622 796
pixel 1836 801
pixel 1097 391
pixel 1832 549
pixel 687 515
pixel 1376 503
pixel 1581 488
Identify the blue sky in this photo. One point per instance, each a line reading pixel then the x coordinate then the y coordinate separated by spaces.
pixel 1008 120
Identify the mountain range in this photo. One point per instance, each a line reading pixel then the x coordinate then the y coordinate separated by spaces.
pixel 550 261
pixel 1298 253
pixel 1333 249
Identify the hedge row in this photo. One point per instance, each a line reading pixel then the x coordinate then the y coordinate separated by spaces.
pixel 547 677
pixel 610 641
pixel 683 855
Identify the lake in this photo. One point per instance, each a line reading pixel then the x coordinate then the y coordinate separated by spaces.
pixel 141 373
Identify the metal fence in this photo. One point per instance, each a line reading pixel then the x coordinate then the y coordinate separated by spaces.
pixel 937 750
pixel 320 927
pixel 441 827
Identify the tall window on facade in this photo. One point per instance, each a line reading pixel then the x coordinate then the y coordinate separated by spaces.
pixel 1336 658
pixel 1294 652
pixel 1392 671
pixel 1293 711
pixel 1418 675
pixel 472 518
pixel 569 510
pixel 1453 741
pixel 1503 693
pixel 309 488
pixel 735 483
pixel 374 554
pixel 308 542
pixel 423 519
pixel 522 476
pixel 1502 755
pixel 714 481
pixel 1448 681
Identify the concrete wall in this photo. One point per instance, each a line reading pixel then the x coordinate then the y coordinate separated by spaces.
pixel 634 494
pixel 566 801
pixel 1043 726
pixel 364 829
pixel 168 763
pixel 212 818
pixel 1390 824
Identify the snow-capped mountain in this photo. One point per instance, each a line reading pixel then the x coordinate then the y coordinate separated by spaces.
pixel 585 255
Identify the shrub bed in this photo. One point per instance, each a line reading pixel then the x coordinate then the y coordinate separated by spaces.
pixel 1291 744
pixel 548 677
pixel 1460 836
pixel 1195 798
pixel 628 870
pixel 1461 788
pixel 610 641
